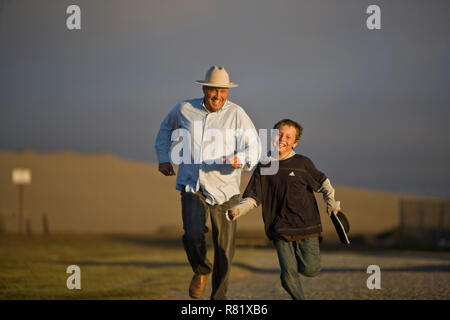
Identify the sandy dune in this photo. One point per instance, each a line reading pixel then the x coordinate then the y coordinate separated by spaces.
pixel 104 193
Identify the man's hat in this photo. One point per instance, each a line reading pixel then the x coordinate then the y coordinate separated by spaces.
pixel 341 225
pixel 217 77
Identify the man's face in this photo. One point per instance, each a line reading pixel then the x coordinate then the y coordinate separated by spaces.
pixel 215 98
pixel 285 141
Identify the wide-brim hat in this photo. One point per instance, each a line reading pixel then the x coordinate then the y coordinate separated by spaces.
pixel 341 225
pixel 217 77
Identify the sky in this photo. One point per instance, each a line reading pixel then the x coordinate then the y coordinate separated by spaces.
pixel 374 104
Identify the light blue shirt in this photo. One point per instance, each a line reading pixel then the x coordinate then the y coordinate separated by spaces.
pixel 208 140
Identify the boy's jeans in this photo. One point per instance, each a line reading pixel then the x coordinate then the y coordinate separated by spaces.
pixel 195 212
pixel 301 256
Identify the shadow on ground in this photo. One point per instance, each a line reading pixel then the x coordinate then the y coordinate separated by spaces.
pixel 145 264
pixel 423 268
pixel 161 241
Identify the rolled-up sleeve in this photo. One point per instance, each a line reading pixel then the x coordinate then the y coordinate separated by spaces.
pixel 248 142
pixel 327 191
pixel 163 141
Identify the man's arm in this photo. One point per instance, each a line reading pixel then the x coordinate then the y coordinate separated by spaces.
pixel 164 142
pixel 248 144
pixel 166 169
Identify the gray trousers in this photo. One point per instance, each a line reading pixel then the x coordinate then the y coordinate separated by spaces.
pixel 195 213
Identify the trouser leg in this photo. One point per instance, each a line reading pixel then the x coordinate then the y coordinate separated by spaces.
pixel 224 241
pixel 308 256
pixel 290 279
pixel 195 212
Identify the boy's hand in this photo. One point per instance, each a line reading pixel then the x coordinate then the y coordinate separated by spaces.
pixel 329 212
pixel 231 214
pixel 233 160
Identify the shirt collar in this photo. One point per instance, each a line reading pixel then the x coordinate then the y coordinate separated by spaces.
pixel 272 158
pixel 290 155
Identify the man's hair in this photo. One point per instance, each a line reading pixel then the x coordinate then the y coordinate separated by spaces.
pixel 290 123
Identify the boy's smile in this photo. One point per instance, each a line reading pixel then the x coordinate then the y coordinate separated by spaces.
pixel 285 141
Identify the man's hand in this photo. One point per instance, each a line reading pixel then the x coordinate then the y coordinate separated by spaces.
pixel 166 169
pixel 335 212
pixel 233 160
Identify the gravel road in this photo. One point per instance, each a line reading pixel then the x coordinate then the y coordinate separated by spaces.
pixel 404 275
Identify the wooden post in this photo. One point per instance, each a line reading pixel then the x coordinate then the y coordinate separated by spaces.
pixel 2 224
pixel 401 226
pixel 422 219
pixel 440 228
pixel 20 212
pixel 45 228
pixel 21 177
pixel 28 227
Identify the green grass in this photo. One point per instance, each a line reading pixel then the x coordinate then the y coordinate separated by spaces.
pixel 112 266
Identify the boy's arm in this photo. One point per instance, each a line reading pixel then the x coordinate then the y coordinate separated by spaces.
pixel 327 191
pixel 242 208
pixel 251 198
pixel 322 184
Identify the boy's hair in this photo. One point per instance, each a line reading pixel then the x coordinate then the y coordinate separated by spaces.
pixel 290 123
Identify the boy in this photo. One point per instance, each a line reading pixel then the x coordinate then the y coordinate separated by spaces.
pixel 290 213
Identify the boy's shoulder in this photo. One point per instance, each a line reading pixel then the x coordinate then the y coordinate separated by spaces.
pixel 300 161
pixel 296 160
pixel 302 158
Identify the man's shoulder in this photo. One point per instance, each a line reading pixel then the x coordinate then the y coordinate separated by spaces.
pixel 242 116
pixel 188 105
pixel 234 107
pixel 191 102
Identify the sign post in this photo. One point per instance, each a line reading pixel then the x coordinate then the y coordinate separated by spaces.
pixel 21 177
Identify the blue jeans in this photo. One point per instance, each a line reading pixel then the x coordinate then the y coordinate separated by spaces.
pixel 301 256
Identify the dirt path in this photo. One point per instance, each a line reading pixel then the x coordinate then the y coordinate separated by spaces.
pixel 404 275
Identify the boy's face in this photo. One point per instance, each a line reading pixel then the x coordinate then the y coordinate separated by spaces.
pixel 285 141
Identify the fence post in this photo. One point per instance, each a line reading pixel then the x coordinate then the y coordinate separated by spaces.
pixel 28 227
pixel 20 210
pixel 45 228
pixel 440 228
pixel 422 221
pixel 2 224
pixel 401 226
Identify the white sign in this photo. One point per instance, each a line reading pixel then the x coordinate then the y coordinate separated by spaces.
pixel 21 176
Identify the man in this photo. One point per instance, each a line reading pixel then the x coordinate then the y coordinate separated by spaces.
pixel 209 173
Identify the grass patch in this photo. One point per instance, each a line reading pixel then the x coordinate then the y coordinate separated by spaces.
pixel 112 266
